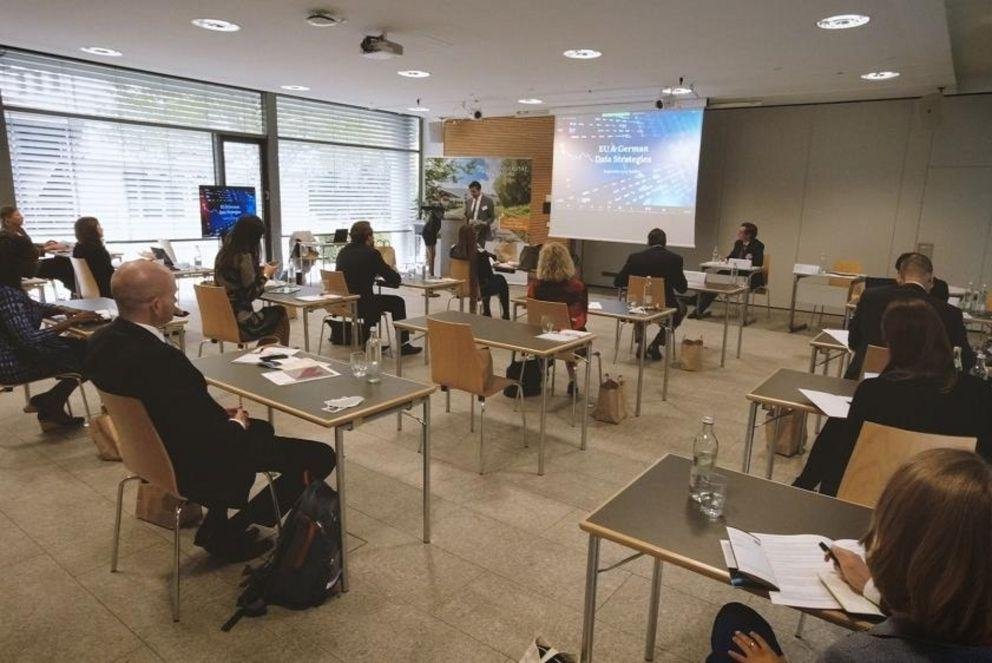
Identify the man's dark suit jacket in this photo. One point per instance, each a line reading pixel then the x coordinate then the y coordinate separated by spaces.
pixel 755 252
pixel 207 449
pixel 656 261
pixel 361 265
pixel 866 325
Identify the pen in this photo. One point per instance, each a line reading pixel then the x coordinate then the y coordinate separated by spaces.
pixel 825 548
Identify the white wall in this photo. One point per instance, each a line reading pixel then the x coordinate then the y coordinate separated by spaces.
pixel 860 181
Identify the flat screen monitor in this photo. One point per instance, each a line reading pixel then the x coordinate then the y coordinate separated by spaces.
pixel 222 206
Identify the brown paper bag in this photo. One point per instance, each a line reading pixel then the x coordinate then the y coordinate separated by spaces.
pixel 692 354
pixel 104 436
pixel 611 405
pixel 791 428
pixel 156 506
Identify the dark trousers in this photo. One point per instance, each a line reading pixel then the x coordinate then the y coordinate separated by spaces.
pixel 735 617
pixel 496 286
pixel 391 304
pixel 58 268
pixel 659 338
pixel 296 462
pixel 827 459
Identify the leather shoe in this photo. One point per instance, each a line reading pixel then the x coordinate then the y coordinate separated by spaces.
pixel 654 353
pixel 408 349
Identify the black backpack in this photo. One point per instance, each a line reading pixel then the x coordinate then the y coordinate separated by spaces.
pixel 305 567
pixel 528 373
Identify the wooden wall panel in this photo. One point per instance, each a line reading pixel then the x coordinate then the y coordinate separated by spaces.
pixel 531 137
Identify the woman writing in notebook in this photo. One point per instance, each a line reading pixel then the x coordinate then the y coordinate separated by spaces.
pixel 927 567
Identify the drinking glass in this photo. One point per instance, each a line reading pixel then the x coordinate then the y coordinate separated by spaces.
pixel 648 299
pixel 712 494
pixel 358 364
pixel 547 324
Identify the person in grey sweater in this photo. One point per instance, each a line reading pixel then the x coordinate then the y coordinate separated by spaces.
pixel 928 568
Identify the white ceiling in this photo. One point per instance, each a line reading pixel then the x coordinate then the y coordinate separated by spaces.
pixel 500 50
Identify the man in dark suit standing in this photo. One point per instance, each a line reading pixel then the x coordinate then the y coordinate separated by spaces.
pixel 362 264
pixel 913 282
pixel 747 247
pixel 216 452
pixel 657 261
pixel 480 211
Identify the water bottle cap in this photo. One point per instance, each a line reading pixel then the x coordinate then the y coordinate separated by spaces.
pixel 708 419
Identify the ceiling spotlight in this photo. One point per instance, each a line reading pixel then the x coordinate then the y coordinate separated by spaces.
pixel 582 53
pixel 880 75
pixel 295 88
pixel 530 100
pixel 215 24
pixel 321 18
pixel 100 50
pixel 842 21
pixel 413 73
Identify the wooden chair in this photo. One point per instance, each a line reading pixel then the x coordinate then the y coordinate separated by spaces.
pixel 388 254
pixel 876 359
pixel 86 286
pixel 145 457
pixel 557 313
pixel 460 269
pixel 217 317
pixel 334 283
pixel 635 295
pixel 880 451
pixel 457 363
pixel 763 289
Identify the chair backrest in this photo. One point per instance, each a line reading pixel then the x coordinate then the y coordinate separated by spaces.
pixel 334 282
pixel 142 450
pixel 880 451
pixel 538 309
pixel 216 315
pixel 456 361
pixel 766 267
pixel 876 359
pixel 388 254
pixel 459 269
pixel 845 267
pixel 635 290
pixel 86 286
pixel 166 245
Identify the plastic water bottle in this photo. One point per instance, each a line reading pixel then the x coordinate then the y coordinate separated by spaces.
pixel 980 370
pixel 958 363
pixel 704 450
pixel 197 257
pixel 373 357
pixel 716 254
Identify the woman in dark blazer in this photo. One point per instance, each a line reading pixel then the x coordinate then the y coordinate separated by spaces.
pixel 483 281
pixel 918 391
pixel 238 269
pixel 89 246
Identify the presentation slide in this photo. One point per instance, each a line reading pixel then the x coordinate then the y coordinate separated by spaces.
pixel 222 206
pixel 617 175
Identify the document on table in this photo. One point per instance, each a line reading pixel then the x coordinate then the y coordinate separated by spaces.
pixel 295 370
pixel 595 306
pixel 695 279
pixel 318 298
pixel 264 352
pixel 563 335
pixel 842 336
pixel 830 404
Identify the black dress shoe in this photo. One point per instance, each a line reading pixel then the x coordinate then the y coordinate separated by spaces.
pixel 232 548
pixel 654 353
pixel 408 349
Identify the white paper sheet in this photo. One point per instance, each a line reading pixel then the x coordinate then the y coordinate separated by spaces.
pixel 595 306
pixel 869 374
pixel 293 367
pixel 255 356
pixel 842 336
pixel 805 269
pixel 563 335
pixel 797 561
pixel 830 404
pixel 317 298
pixel 751 558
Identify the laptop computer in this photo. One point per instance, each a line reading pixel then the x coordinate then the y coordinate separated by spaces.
pixel 160 254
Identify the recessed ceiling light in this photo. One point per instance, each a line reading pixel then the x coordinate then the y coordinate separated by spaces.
pixel 530 100
pixel 582 53
pixel 100 50
pixel 677 89
pixel 418 109
pixel 842 21
pixel 879 75
pixel 295 88
pixel 215 24
pixel 414 73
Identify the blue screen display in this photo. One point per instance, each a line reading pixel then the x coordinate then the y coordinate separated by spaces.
pixel 222 206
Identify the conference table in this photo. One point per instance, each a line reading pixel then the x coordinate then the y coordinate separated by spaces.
pixel 726 267
pixel 174 330
pixel 620 311
pixel 800 272
pixel 515 337
pixel 831 349
pixel 430 287
pixel 781 389
pixel 655 516
pixel 726 292
pixel 305 401
pixel 308 298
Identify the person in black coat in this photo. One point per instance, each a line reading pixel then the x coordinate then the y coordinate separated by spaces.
pixel 919 390
pixel 215 452
pixel 747 247
pixel 362 264
pixel 483 280
pixel 657 261
pixel 89 247
pixel 914 283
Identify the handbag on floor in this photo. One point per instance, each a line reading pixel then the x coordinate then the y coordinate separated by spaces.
pixel 540 651
pixel 786 430
pixel 611 404
pixel 104 436
pixel 528 373
pixel 692 354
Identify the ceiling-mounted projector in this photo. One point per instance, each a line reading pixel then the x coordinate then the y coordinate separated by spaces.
pixel 380 48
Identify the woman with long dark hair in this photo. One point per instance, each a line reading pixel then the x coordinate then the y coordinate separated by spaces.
pixel 919 391
pixel 483 281
pixel 239 270
pixel 89 246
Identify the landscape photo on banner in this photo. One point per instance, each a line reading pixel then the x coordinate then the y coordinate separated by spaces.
pixel 507 180
pixel 619 174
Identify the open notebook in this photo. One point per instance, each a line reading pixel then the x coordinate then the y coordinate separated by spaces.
pixel 792 568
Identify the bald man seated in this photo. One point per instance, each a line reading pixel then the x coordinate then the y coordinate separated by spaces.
pixel 216 452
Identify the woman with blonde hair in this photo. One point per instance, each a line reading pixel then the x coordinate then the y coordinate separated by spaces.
pixel 556 282
pixel 927 567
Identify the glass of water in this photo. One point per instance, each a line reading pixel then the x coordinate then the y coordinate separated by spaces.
pixel 547 324
pixel 359 367
pixel 647 300
pixel 712 494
